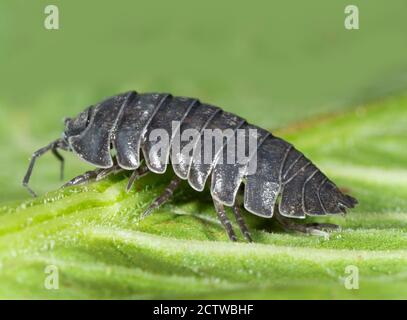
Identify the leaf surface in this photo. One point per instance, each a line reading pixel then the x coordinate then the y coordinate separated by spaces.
pixel 102 249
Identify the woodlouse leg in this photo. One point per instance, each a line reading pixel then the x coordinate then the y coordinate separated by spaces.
pixel 137 174
pixel 163 197
pixel 108 171
pixel 99 174
pixel 242 225
pixel 88 176
pixel 52 146
pixel 220 210
pixel 93 175
pixel 61 160
pixel 316 229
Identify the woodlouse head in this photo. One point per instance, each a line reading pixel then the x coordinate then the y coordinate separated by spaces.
pixel 75 126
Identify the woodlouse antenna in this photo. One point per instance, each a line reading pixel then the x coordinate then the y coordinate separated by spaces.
pixel 53 146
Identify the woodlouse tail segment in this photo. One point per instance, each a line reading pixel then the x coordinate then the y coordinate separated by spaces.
pixel 353 201
pixel 53 146
pixel 312 193
pixel 335 201
pixel 307 191
pixel 346 202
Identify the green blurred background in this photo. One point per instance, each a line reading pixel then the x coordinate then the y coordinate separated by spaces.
pixel 273 62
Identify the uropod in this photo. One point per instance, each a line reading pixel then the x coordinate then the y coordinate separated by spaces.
pixel 116 135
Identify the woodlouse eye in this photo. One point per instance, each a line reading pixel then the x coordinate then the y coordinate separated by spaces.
pixel 66 120
pixel 88 119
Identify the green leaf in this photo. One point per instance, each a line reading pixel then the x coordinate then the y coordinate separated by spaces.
pixel 102 249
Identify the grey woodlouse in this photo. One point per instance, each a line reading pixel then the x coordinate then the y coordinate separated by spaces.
pixel 286 184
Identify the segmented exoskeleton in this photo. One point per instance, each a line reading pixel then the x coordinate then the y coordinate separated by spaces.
pixel 285 182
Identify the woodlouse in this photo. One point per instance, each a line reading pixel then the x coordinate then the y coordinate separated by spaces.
pixel 285 183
